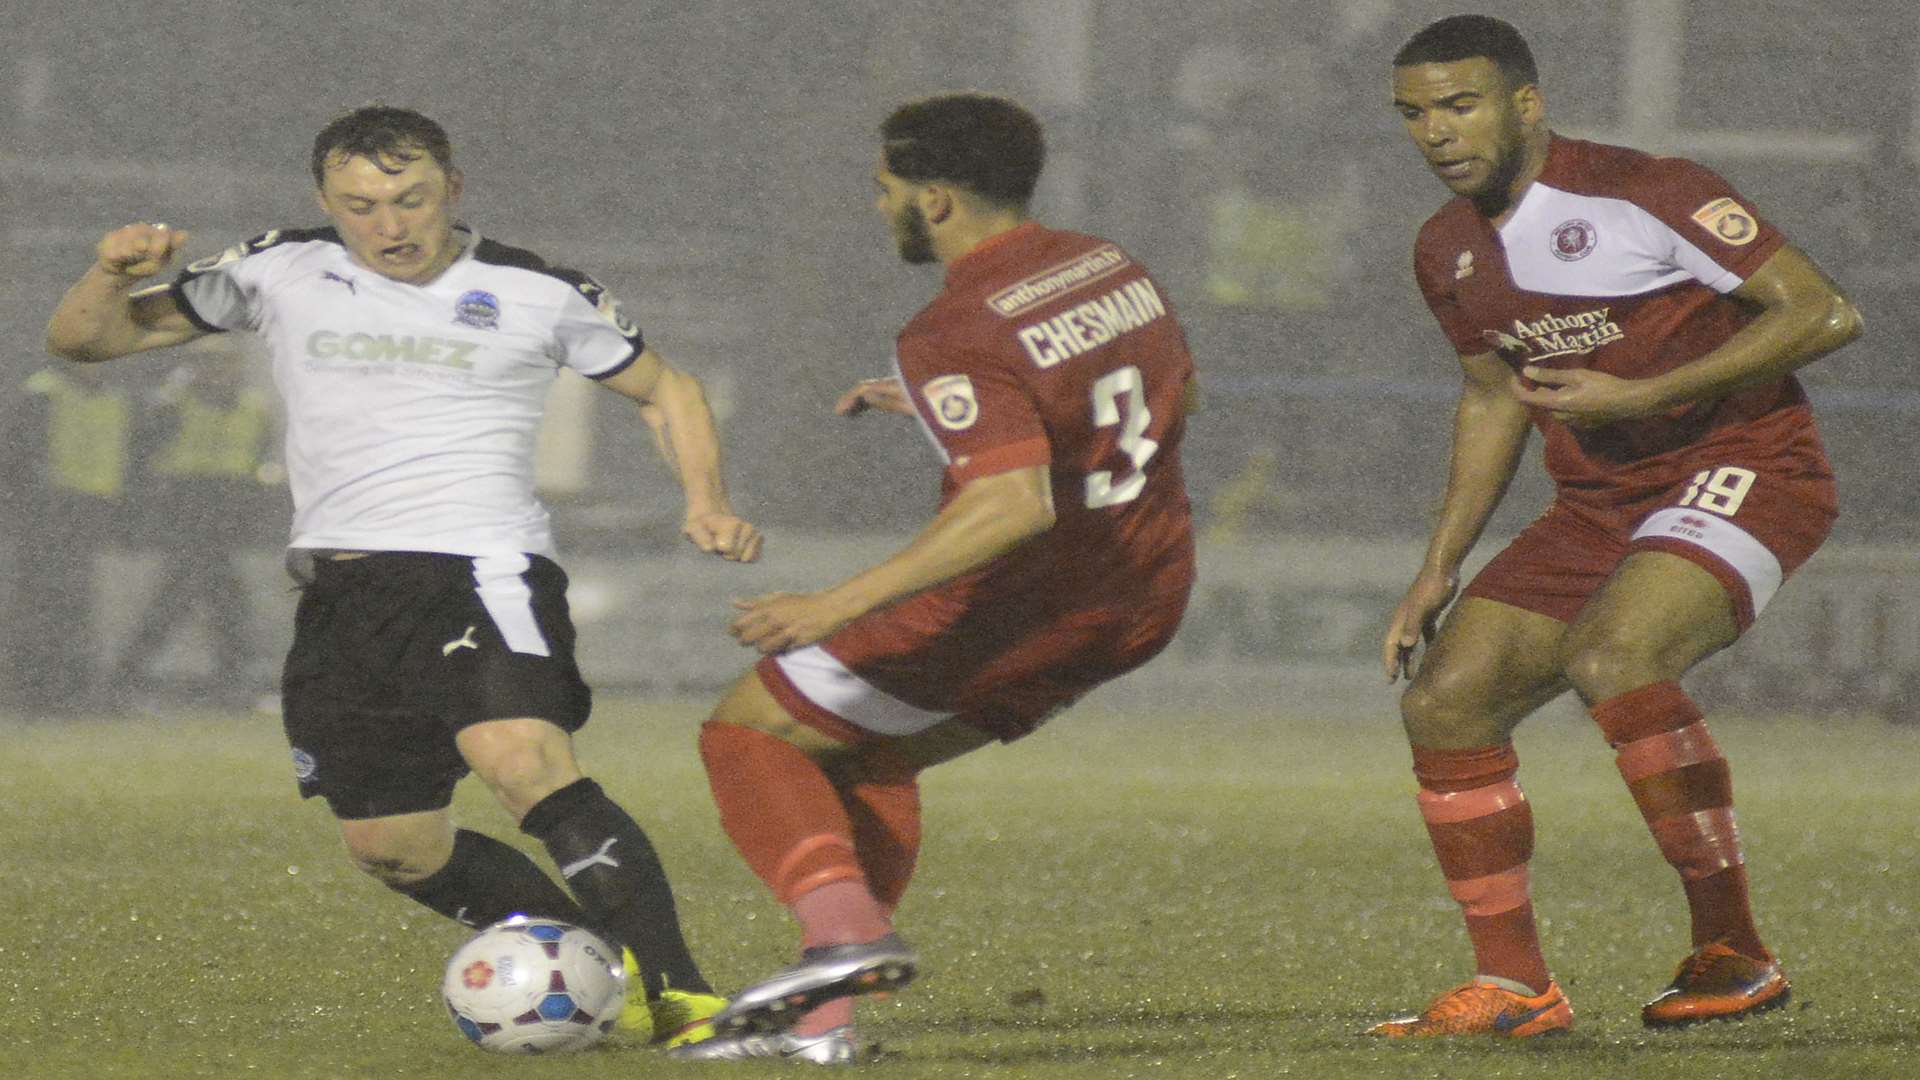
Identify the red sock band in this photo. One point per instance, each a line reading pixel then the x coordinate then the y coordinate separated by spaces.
pixel 1460 770
pixel 1666 752
pixel 1492 894
pixel 1650 710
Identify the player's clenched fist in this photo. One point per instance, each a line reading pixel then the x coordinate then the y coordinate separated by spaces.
pixel 885 395
pixel 139 250
pixel 724 535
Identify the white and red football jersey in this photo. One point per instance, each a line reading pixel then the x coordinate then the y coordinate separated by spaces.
pixel 1620 262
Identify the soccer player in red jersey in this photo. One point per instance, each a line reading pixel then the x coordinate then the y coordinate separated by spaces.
pixel 1646 320
pixel 1054 380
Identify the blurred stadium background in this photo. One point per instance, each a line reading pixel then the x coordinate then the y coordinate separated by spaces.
pixel 709 162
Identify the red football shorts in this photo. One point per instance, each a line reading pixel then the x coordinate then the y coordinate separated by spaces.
pixel 1001 663
pixel 1748 527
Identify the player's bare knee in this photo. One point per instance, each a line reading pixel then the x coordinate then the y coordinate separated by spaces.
pixel 1601 666
pixel 1437 714
pixel 392 863
pixel 521 761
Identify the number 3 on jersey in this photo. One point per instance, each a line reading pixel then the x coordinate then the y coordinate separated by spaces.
pixel 1108 394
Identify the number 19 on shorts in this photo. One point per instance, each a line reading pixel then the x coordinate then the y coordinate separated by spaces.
pixel 1719 491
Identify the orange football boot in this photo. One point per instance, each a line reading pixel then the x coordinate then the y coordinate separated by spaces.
pixel 1481 1007
pixel 1716 983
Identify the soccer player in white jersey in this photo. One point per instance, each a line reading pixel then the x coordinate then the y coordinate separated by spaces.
pixel 1646 320
pixel 433 636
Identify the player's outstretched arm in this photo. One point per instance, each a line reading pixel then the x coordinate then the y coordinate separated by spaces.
pixel 1802 316
pixel 674 405
pixel 106 314
pixel 987 518
pixel 1489 432
pixel 885 394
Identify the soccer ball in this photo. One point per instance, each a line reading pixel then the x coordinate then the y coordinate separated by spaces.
pixel 534 986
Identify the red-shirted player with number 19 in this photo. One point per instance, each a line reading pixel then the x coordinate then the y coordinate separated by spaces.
pixel 1054 380
pixel 1640 314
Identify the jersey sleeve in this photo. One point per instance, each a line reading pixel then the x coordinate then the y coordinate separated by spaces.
pixel 222 292
pixel 1438 290
pixel 591 334
pixel 981 416
pixel 1716 235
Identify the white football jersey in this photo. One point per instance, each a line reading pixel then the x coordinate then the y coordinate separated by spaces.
pixel 412 410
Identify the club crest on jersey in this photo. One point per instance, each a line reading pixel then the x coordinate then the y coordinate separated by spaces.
pixel 304 766
pixel 1463 266
pixel 951 398
pixel 477 308
pixel 1728 221
pixel 1574 240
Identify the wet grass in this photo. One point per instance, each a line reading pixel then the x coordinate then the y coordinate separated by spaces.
pixel 1193 896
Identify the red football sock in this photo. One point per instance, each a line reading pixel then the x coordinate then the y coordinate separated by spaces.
pixel 779 809
pixel 1482 832
pixel 1684 789
pixel 882 795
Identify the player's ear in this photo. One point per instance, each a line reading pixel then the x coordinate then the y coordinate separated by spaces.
pixel 936 203
pixel 1529 103
pixel 456 182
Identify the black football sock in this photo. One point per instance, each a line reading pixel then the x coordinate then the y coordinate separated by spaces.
pixel 486 881
pixel 612 867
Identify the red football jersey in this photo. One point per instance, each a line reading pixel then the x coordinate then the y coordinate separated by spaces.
pixel 1620 262
pixel 1054 348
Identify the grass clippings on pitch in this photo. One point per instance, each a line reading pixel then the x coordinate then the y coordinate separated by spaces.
pixel 1198 896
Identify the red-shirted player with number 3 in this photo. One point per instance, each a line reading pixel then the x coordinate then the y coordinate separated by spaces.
pixel 1646 320
pixel 1053 378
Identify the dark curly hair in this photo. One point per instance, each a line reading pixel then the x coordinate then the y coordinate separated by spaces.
pixel 987 145
pixel 1463 37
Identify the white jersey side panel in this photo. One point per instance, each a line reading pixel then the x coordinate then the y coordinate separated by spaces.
pixel 412 410
pixel 1565 244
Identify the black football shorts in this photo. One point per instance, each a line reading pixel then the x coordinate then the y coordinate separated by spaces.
pixel 395 652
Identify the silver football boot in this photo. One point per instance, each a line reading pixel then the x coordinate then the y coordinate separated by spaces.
pixel 832 1048
pixel 823 974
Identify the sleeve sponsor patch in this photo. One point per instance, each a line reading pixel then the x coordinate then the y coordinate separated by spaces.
pixel 609 308
pixel 952 401
pixel 235 253
pixel 1728 221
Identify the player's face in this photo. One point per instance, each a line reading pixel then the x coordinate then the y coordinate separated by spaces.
pixel 896 202
pixel 1468 123
pixel 398 224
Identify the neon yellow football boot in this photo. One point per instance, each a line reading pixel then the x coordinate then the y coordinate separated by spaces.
pixel 675 1018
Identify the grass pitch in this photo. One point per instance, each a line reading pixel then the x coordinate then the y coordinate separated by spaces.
pixel 1194 896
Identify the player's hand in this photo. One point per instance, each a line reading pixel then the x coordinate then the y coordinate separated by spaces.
pixel 139 250
pixel 722 534
pixel 776 622
pixel 1415 620
pixel 885 395
pixel 1583 398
